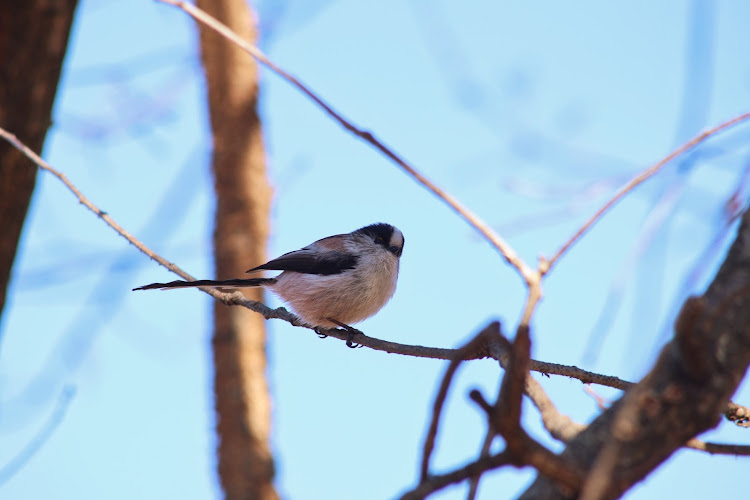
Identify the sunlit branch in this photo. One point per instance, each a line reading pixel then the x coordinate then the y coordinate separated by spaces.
pixel 637 180
pixel 472 219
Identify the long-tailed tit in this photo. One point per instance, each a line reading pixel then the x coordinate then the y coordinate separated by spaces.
pixel 336 281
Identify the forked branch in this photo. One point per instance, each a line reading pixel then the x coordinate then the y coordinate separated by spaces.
pixel 473 220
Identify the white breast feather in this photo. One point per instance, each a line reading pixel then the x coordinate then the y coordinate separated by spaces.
pixel 349 297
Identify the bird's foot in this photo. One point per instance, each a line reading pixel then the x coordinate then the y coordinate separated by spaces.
pixel 352 332
pixel 349 339
pixel 320 334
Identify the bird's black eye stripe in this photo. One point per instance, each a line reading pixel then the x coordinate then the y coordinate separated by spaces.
pixel 379 233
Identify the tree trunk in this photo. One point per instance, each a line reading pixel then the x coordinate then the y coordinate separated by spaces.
pixel 33 40
pixel 243 195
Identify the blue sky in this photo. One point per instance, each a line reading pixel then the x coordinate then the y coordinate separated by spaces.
pixel 531 114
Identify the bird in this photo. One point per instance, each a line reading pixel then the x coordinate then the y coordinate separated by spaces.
pixel 333 282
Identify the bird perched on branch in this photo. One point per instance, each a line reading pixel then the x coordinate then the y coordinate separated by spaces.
pixel 336 281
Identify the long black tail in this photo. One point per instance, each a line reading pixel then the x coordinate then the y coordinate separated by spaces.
pixel 235 283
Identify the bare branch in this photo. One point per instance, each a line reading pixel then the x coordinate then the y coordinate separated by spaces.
pixel 563 428
pixel 527 451
pixel 500 351
pixel 719 448
pixel 681 397
pixel 472 219
pixel 489 437
pixel 88 204
pixel 559 426
pixel 475 346
pixel 534 284
pixel 601 403
pixel 495 350
pixel 435 483
pixel 507 418
pixel 638 179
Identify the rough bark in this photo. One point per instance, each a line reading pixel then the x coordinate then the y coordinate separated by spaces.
pixel 243 195
pixel 683 395
pixel 33 40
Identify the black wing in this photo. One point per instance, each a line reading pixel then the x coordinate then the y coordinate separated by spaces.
pixel 308 261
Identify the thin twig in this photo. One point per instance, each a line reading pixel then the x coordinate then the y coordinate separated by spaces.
pixel 473 220
pixel 495 349
pixel 638 179
pixel 559 425
pixel 563 428
pixel 500 351
pixel 88 204
pixel 505 417
pixel 489 438
pixel 534 295
pixel 235 298
pixel 719 448
pixel 601 403
pixel 525 450
pixel 473 469
pixel 473 347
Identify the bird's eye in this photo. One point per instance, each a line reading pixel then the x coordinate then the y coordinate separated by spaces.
pixel 378 240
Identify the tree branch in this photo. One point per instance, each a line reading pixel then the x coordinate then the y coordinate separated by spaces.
pixel 564 429
pixel 489 437
pixel 472 219
pixel 559 426
pixel 639 179
pixel 435 483
pixel 682 396
pixel 475 347
pixel 719 448
pixel 497 347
